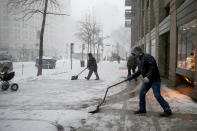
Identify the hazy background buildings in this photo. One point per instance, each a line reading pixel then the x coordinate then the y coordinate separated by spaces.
pixel 21 37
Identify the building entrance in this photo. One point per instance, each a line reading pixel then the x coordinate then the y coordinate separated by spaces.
pixel 163 61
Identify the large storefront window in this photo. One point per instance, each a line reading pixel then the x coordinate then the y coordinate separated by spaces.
pixel 187 46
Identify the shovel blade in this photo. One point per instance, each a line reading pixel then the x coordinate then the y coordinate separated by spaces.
pixel 74 77
pixel 94 111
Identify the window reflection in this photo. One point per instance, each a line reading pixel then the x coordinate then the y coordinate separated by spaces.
pixel 187 46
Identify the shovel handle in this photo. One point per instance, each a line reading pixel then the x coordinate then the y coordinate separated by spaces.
pixel 109 88
pixel 82 71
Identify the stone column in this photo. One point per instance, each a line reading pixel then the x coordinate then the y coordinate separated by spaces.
pixel 133 24
pixel 150 22
pixel 132 41
pixel 157 13
pixel 144 22
pixel 173 44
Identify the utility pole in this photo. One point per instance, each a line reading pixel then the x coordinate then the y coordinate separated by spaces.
pixel 82 61
pixel 71 52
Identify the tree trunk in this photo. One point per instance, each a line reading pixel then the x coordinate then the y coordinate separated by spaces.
pixel 98 54
pixel 93 45
pixel 94 50
pixel 88 46
pixel 41 39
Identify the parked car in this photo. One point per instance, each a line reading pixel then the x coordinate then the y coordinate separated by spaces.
pixel 47 62
pixel 5 61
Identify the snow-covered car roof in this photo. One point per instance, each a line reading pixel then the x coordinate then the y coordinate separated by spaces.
pixel 46 57
pixel 4 61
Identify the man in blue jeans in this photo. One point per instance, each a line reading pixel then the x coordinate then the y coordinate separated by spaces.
pixel 147 67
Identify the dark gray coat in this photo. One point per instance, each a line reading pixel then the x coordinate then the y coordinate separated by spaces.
pixel 132 62
pixel 92 65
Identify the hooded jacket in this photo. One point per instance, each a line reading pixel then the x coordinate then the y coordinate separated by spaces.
pixel 92 65
pixel 147 67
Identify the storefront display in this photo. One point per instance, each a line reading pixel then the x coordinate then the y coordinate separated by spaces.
pixel 187 46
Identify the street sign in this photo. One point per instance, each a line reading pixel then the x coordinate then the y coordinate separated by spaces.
pixel 72 47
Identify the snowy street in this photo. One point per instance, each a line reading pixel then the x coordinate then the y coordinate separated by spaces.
pixel 98 65
pixel 55 102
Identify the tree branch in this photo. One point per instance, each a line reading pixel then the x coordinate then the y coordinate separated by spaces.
pixel 51 13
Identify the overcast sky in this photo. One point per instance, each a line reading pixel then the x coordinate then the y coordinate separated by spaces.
pixel 110 13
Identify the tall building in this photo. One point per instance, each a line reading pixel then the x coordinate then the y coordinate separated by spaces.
pixel 21 38
pixel 167 29
pixel 128 13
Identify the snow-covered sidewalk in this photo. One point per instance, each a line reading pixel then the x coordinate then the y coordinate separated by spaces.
pixel 54 102
pixel 53 97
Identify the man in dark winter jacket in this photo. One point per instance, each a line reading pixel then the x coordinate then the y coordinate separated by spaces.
pixel 147 67
pixel 131 64
pixel 92 66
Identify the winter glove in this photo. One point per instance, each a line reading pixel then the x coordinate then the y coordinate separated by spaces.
pixel 146 80
pixel 130 77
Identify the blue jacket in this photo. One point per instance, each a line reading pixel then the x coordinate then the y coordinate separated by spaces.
pixel 147 67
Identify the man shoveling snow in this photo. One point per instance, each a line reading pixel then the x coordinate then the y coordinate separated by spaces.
pixel 147 67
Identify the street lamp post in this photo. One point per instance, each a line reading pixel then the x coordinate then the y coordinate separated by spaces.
pixel 71 52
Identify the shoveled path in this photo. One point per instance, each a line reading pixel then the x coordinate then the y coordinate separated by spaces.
pixel 117 114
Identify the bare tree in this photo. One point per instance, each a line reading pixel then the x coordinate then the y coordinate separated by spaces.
pixel 84 33
pixel 28 8
pixel 99 43
pixel 95 36
pixel 89 33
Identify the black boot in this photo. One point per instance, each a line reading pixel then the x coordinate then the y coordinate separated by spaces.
pixel 87 78
pixel 166 114
pixel 97 76
pixel 139 111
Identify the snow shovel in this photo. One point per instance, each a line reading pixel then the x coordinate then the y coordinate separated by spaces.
pixel 96 109
pixel 76 77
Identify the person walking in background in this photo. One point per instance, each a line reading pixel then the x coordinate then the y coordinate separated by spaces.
pixel 147 67
pixel 131 65
pixel 92 66
pixel 118 59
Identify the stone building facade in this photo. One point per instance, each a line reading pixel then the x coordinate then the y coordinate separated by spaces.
pixel 167 29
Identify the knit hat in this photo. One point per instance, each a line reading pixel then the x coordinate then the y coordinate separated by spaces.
pixel 137 51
